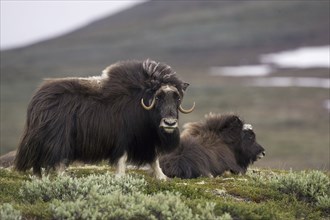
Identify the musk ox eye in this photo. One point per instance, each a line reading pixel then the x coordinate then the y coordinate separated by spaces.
pixel 176 96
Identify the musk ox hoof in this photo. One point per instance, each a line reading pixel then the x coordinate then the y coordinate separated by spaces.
pixel 210 175
pixel 158 175
pixel 157 171
pixel 119 175
pixel 163 178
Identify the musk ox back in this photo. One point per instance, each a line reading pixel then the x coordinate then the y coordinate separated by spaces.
pixel 128 114
pixel 211 147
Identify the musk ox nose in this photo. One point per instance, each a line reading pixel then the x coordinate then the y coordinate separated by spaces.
pixel 169 124
pixel 261 155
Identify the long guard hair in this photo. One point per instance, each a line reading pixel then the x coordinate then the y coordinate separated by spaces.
pixel 211 147
pixel 96 118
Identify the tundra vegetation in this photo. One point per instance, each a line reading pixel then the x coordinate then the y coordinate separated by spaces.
pixel 94 192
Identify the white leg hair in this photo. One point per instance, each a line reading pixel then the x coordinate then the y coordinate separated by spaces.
pixel 157 171
pixel 121 166
pixel 60 168
pixel 210 175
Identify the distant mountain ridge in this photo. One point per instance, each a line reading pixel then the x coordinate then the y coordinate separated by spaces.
pixel 178 32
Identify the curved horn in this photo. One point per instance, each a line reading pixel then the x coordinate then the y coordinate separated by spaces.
pixel 148 107
pixel 187 111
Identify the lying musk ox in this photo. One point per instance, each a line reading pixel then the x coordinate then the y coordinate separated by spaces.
pixel 128 114
pixel 211 147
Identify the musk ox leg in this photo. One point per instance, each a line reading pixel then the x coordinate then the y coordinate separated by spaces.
pixel 37 170
pixel 121 166
pixel 60 168
pixel 157 171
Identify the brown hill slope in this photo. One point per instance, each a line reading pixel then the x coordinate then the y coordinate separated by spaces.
pixel 179 32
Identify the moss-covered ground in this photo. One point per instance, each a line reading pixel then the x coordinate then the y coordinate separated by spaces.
pixel 259 194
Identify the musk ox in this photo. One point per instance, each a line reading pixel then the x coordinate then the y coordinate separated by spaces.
pixel 128 114
pixel 211 147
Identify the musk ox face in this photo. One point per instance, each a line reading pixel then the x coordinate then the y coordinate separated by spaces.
pixel 164 100
pixel 239 137
pixel 167 102
pixel 251 148
pixel 163 107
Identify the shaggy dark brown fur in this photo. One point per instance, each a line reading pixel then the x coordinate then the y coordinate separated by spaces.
pixel 96 118
pixel 211 147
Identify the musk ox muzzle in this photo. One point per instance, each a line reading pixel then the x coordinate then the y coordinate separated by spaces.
pixel 169 124
pixel 261 155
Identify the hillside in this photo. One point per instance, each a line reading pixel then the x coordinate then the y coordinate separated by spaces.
pixel 93 192
pixel 191 36
pixel 181 33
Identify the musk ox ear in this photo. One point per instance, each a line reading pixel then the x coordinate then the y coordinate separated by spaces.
pixel 184 86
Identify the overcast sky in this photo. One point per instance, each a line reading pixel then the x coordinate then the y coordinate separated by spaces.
pixel 25 22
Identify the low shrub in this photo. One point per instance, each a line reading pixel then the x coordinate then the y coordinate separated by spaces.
pixel 71 188
pixel 107 197
pixel 8 212
pixel 309 186
pixel 134 206
pixel 323 203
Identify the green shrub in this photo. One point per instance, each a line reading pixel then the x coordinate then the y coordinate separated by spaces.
pixel 323 203
pixel 71 188
pixel 7 212
pixel 310 186
pixel 307 186
pixel 107 197
pixel 134 206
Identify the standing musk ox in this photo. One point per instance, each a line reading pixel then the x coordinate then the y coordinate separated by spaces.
pixel 129 114
pixel 211 147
